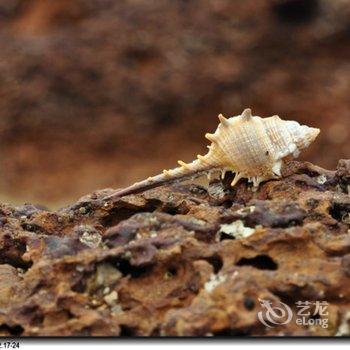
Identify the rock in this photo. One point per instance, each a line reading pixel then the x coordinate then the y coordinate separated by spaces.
pixel 181 260
pixel 73 86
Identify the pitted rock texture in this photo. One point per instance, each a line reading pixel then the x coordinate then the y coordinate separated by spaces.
pixel 180 260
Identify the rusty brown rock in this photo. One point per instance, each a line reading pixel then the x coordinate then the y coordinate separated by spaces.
pixel 180 260
pixel 79 78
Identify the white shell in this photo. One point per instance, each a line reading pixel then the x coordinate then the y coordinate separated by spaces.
pixel 250 146
pixel 253 147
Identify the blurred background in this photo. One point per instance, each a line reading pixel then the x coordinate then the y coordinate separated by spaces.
pixel 101 93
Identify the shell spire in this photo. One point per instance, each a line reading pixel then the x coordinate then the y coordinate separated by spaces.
pixel 249 146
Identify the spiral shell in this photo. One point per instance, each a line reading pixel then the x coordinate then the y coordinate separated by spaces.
pixel 249 146
pixel 253 147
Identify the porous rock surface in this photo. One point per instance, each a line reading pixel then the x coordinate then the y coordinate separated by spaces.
pixel 180 260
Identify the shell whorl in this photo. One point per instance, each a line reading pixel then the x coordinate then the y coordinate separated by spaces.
pixel 250 146
pixel 253 147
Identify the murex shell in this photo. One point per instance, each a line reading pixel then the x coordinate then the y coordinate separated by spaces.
pixel 250 146
pixel 254 147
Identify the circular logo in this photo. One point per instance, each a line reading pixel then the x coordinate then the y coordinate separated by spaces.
pixel 274 315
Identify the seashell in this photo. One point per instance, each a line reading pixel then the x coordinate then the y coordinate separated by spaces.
pixel 250 146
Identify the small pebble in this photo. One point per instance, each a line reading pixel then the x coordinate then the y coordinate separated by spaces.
pixel 322 179
pixel 111 298
pixel 91 239
pixel 82 210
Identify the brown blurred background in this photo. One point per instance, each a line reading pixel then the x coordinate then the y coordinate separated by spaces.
pixel 100 93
